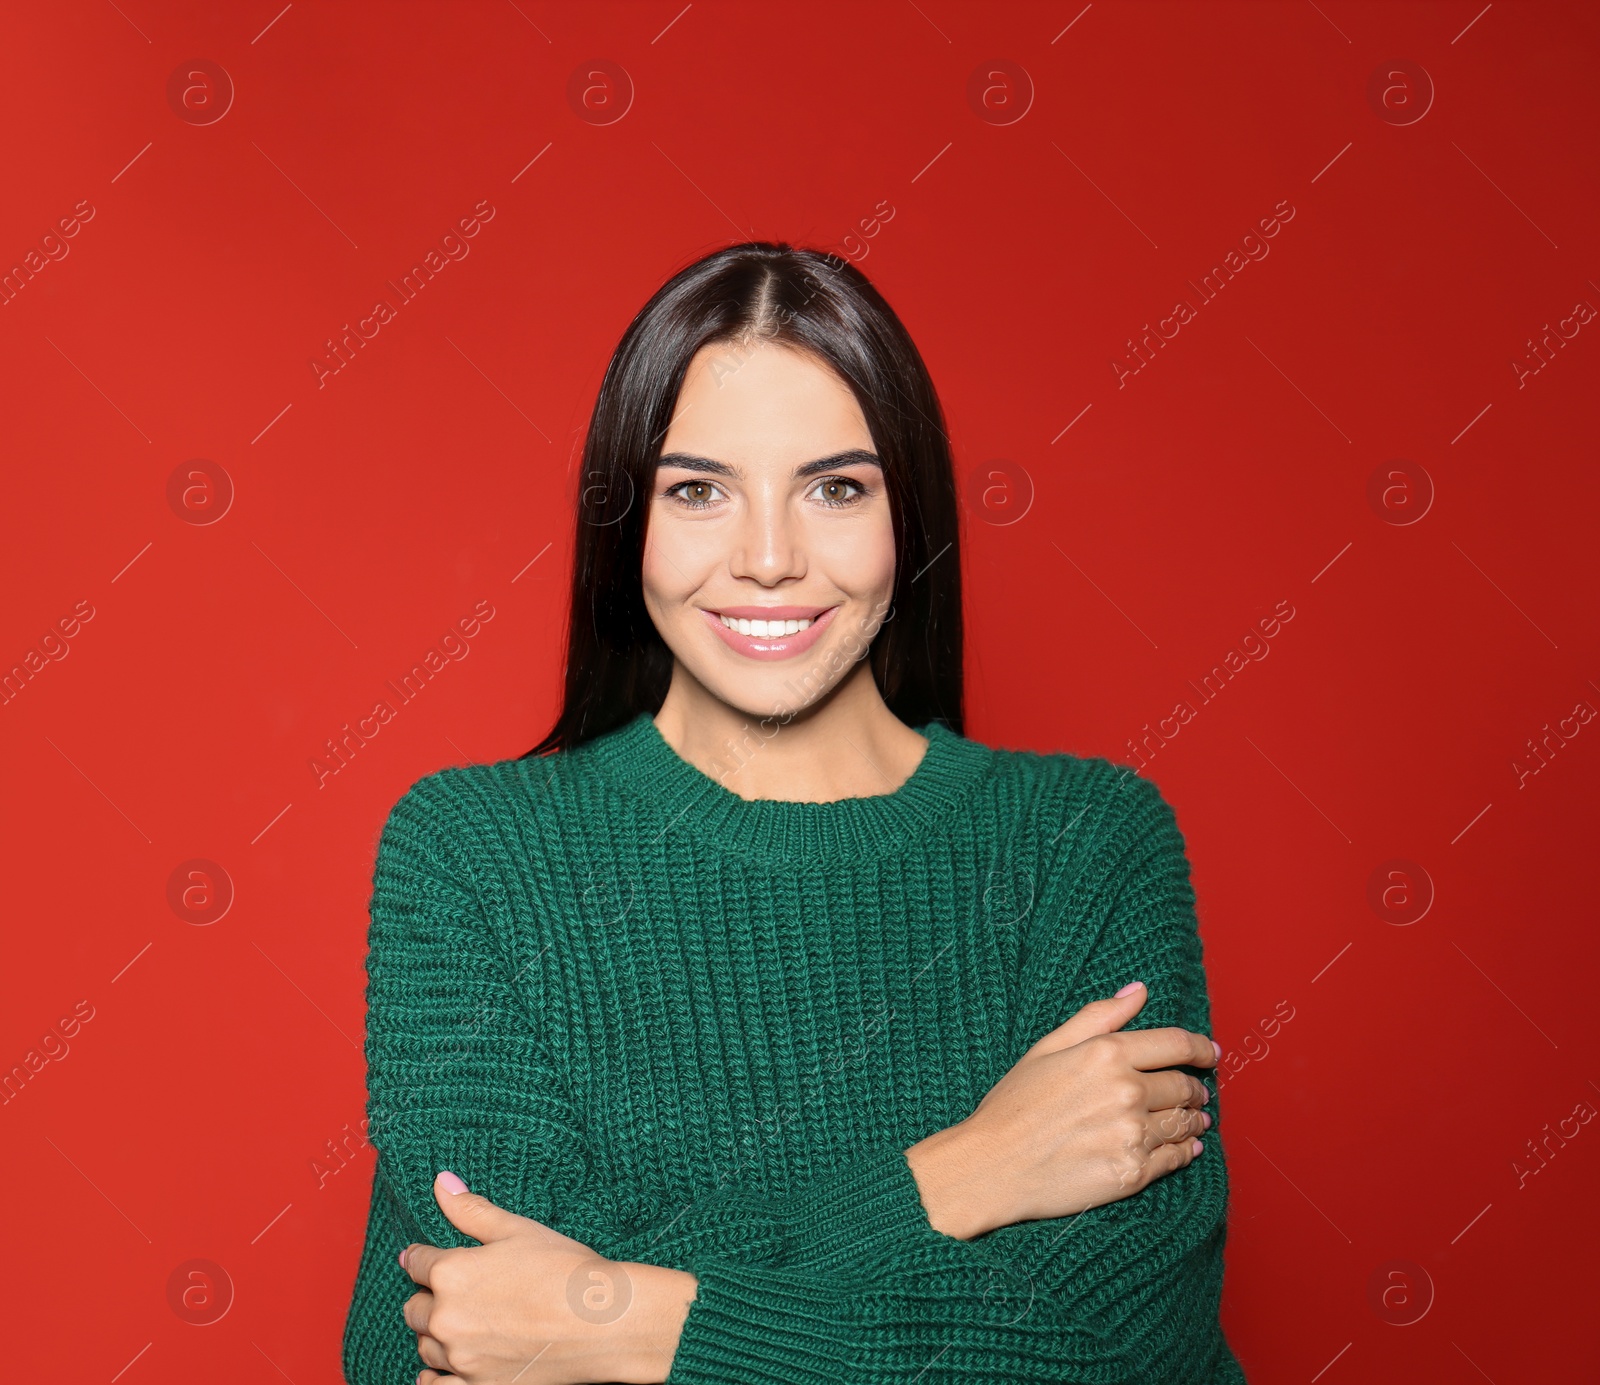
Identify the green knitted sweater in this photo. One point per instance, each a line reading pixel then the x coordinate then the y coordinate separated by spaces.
pixel 694 1030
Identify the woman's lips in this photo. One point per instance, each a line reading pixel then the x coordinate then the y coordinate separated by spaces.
pixel 770 646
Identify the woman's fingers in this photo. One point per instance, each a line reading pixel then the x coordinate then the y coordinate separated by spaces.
pixel 1172 1088
pixel 1173 1155
pixel 1168 1143
pixel 1177 1124
pixel 432 1353
pixel 416 1310
pixel 1148 1049
pixel 1172 1141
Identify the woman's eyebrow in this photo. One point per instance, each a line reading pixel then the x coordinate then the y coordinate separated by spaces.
pixel 854 457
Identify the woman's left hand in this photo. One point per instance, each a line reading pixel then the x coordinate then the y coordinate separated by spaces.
pixel 528 1304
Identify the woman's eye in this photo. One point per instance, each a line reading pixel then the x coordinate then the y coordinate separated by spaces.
pixel 691 493
pixel 832 486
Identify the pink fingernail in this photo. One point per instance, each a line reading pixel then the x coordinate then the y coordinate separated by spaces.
pixel 1198 1146
pixel 1218 1047
pixel 452 1184
pixel 1130 988
pixel 402 1259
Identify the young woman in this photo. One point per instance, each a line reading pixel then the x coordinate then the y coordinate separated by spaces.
pixel 757 1026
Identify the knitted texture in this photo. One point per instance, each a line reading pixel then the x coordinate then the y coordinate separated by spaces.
pixel 694 1030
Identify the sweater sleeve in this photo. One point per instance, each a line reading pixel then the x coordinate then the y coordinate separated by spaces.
pixel 1123 1294
pixel 455 1079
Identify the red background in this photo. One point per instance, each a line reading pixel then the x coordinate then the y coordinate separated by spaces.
pixel 211 1107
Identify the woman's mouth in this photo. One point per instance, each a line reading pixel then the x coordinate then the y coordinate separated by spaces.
pixel 780 632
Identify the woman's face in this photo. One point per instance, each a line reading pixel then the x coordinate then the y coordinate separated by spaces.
pixel 768 505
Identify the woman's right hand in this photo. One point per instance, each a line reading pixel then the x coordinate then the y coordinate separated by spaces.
pixel 1085 1117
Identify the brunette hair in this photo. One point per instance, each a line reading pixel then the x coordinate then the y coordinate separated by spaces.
pixel 617 664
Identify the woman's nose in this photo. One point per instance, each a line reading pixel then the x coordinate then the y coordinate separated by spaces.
pixel 767 544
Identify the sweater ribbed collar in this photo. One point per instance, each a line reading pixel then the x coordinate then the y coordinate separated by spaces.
pixel 639 761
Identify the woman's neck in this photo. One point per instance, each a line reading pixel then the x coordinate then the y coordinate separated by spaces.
pixel 848 745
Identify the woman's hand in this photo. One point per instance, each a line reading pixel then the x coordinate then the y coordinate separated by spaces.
pixel 534 1306
pixel 1084 1118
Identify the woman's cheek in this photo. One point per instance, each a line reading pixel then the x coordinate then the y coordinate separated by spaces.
pixel 670 559
pixel 858 558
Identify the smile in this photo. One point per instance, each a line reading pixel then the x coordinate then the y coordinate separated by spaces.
pixel 766 627
pixel 787 631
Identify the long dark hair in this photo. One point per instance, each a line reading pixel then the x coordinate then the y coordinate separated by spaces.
pixel 617 663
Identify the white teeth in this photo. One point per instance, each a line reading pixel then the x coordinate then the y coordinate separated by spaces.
pixel 769 628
